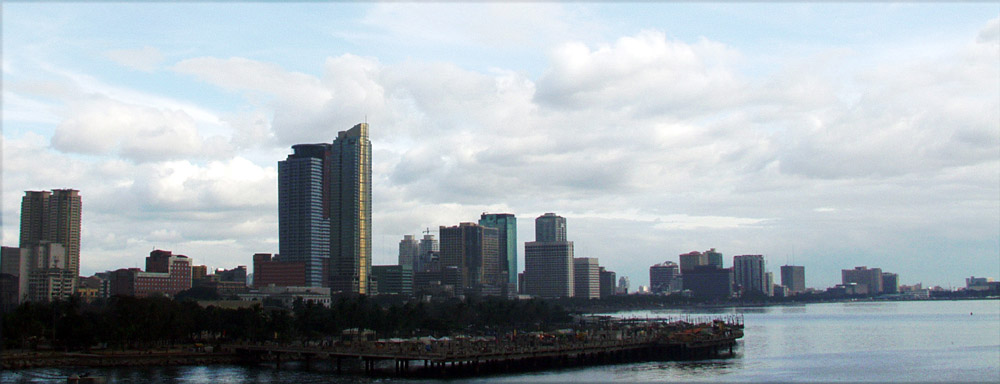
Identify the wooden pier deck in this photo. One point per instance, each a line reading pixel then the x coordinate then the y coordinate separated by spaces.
pixel 633 341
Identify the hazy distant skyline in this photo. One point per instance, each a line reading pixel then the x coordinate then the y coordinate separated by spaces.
pixel 837 135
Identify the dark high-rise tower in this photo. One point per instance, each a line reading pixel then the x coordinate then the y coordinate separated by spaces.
pixel 550 227
pixel 324 210
pixel 506 223
pixel 351 210
pixel 472 249
pixel 303 214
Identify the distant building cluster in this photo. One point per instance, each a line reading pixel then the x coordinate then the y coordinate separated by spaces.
pixel 324 232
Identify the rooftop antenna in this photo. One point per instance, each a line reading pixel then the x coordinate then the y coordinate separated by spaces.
pixel 427 231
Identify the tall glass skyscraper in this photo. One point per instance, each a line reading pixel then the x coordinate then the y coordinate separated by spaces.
pixel 324 210
pixel 506 224
pixel 351 210
pixel 303 216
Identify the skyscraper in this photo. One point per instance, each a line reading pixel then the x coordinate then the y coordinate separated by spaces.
pixel 53 217
pixel 351 210
pixel 794 278
pixel 548 261
pixel 550 227
pixel 749 272
pixel 712 257
pixel 409 252
pixel 663 277
pixel 586 278
pixel 303 213
pixel 473 249
pixel 693 259
pixel 506 223
pixel 324 210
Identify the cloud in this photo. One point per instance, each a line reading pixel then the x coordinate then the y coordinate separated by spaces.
pixel 100 125
pixel 645 73
pixel 990 34
pixel 146 59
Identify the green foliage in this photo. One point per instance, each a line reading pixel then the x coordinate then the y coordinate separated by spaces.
pixel 158 322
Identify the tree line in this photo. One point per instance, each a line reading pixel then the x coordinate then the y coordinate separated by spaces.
pixel 123 322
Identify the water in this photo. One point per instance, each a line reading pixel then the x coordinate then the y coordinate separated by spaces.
pixel 928 341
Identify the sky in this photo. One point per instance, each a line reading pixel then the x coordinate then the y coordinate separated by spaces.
pixel 824 134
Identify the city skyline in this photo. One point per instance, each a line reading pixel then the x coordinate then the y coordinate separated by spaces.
pixel 838 135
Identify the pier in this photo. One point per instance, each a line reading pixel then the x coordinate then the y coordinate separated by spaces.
pixel 603 341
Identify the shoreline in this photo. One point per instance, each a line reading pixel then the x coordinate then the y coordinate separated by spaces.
pixel 28 359
pixel 599 309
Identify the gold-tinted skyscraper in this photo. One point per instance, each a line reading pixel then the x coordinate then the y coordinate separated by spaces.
pixel 350 198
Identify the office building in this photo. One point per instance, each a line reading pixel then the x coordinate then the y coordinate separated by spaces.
pixel 548 261
pixel 506 224
pixel 351 210
pixel 53 218
pixel 393 279
pixel 428 255
pixel 165 274
pixel 607 282
pixel 750 275
pixel 14 269
pixel 474 250
pixel 269 270
pixel 409 252
pixel 324 210
pixel 623 286
pixel 708 281
pixel 235 275
pixel 890 282
pixel 586 278
pixel 49 279
pixel 712 257
pixel 793 277
pixel 691 260
pixel 664 277
pixel 303 210
pixel 871 279
pixel 550 228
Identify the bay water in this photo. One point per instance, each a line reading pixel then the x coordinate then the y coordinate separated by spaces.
pixel 905 341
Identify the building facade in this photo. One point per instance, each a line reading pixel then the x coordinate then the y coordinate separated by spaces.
pixel 165 274
pixel 50 219
pixel 871 279
pixel 608 279
pixel 506 225
pixel 793 277
pixel 269 270
pixel 393 279
pixel 707 281
pixel 548 269
pixel 586 278
pixel 750 275
pixel 474 250
pixel 324 210
pixel 690 260
pixel 890 282
pixel 351 210
pixel 409 251
pixel 303 210
pixel 550 228
pixel 664 277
